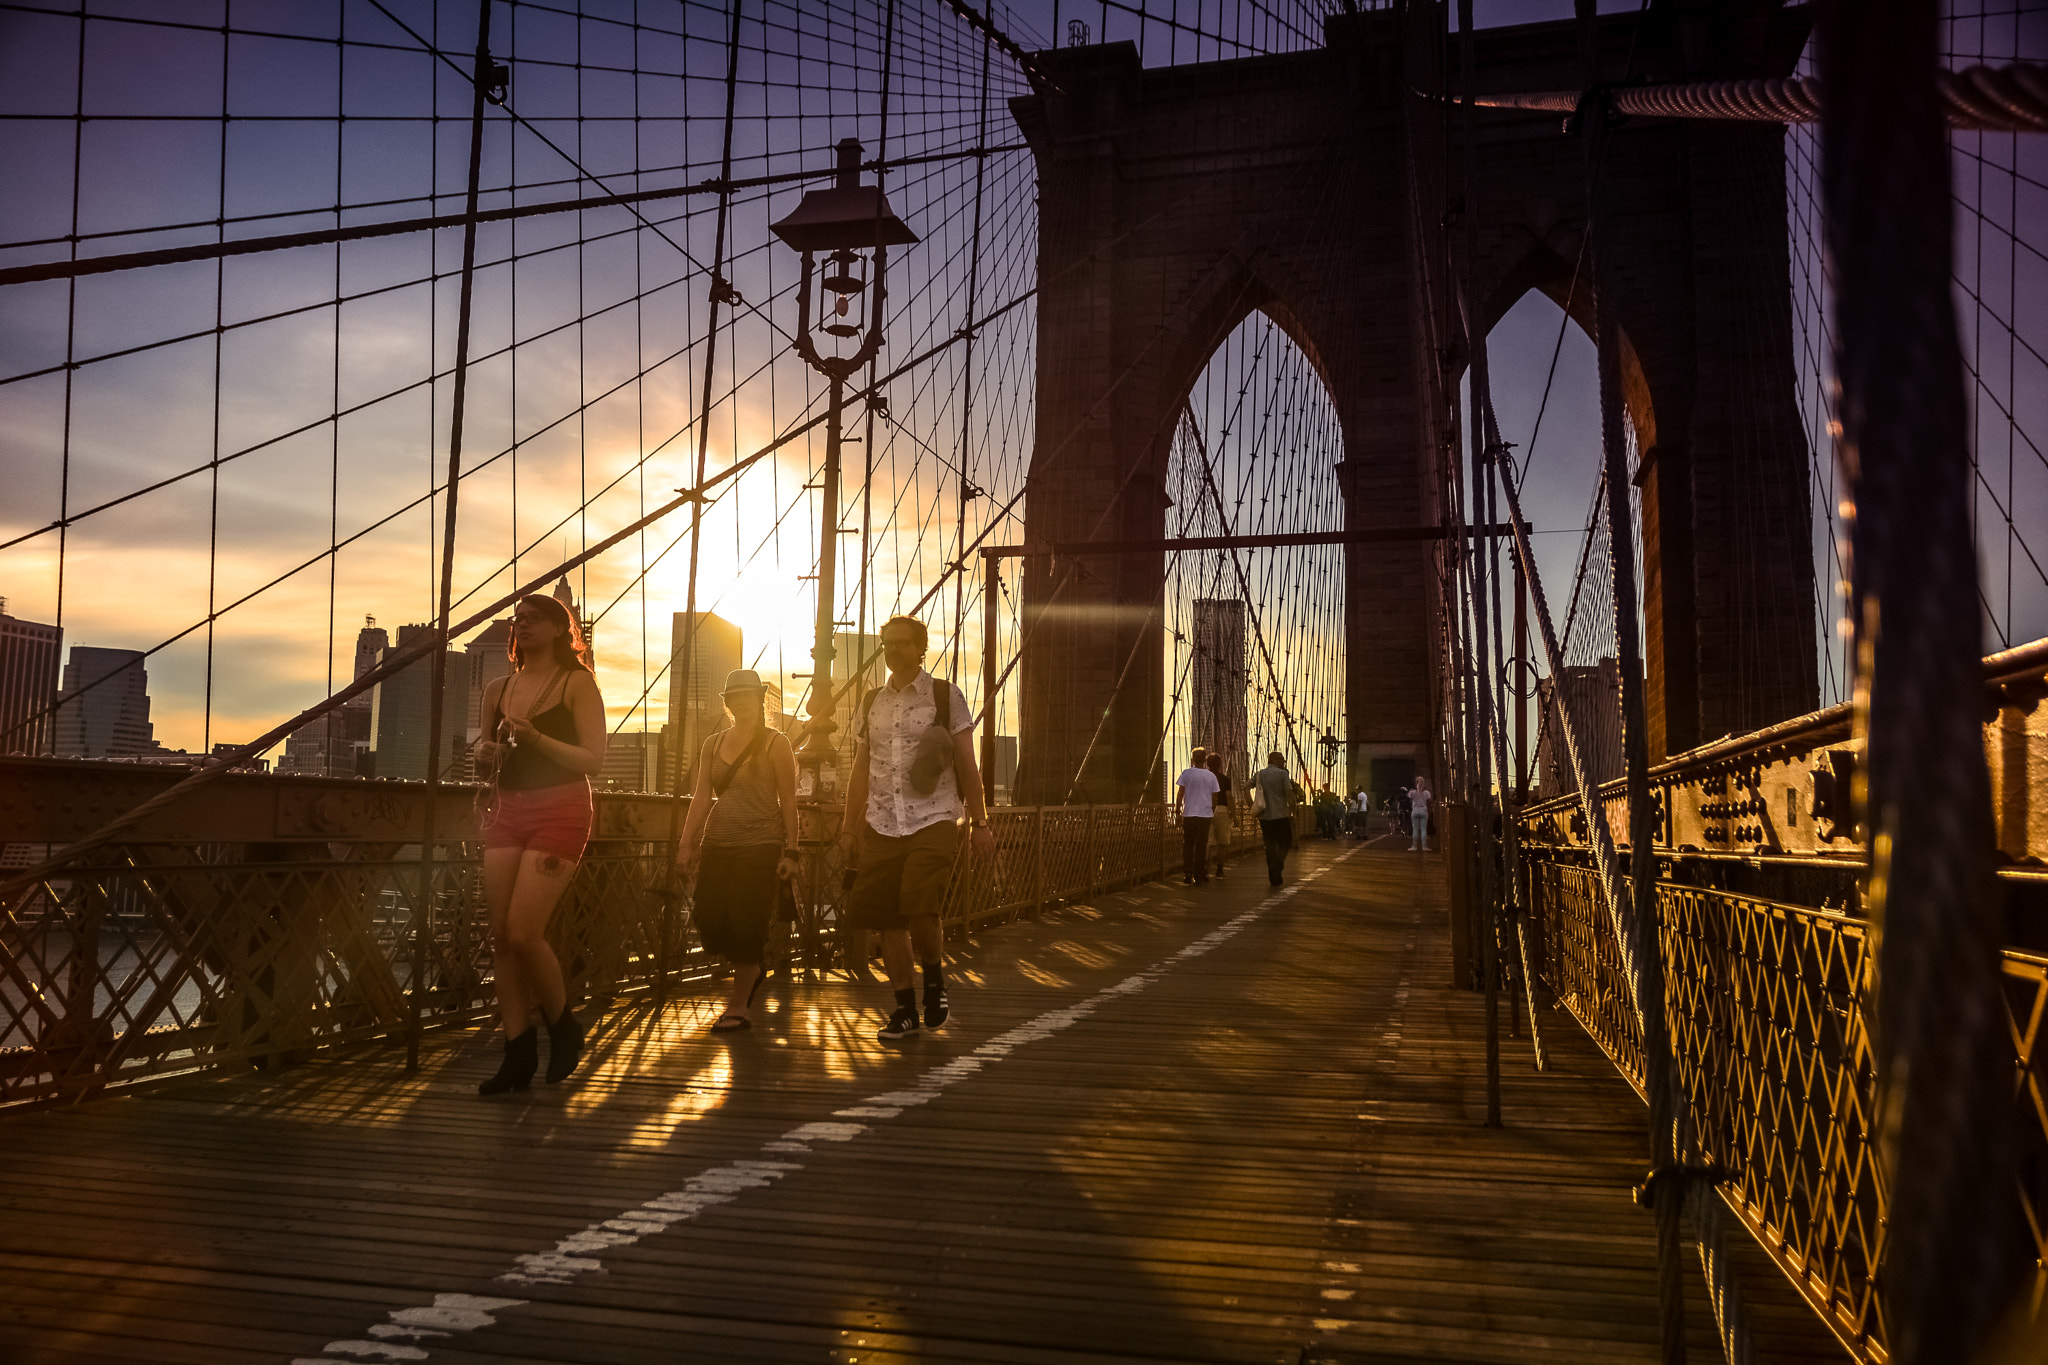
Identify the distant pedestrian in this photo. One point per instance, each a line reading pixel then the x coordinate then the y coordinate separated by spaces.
pixel 1273 798
pixel 913 781
pixel 1223 824
pixel 1418 815
pixel 743 808
pixel 547 729
pixel 1198 789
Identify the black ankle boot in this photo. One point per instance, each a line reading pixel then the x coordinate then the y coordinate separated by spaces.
pixel 565 1045
pixel 522 1059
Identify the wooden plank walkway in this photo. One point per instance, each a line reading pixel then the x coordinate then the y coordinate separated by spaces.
pixel 1201 1124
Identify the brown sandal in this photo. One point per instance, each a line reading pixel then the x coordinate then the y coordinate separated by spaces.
pixel 731 1023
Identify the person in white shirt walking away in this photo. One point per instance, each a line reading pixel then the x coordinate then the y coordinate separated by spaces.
pixel 1418 815
pixel 1198 788
pixel 913 781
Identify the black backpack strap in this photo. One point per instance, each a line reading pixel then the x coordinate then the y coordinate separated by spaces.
pixel 942 703
pixel 867 706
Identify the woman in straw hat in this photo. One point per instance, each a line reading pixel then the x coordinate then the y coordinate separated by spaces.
pixel 740 838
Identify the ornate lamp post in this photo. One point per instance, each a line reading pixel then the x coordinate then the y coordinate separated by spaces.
pixel 1330 744
pixel 851 226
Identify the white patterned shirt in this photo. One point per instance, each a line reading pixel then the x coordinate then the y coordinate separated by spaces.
pixel 894 726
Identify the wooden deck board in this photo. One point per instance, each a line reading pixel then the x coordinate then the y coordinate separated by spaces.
pixel 1271 1152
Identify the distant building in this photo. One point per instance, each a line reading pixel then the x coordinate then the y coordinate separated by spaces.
pixel 489 658
pixel 371 642
pixel 401 712
pixel 1005 766
pixel 632 762
pixel 1592 698
pixel 695 708
pixel 247 765
pixel 30 656
pixel 1218 717
pixel 337 744
pixel 849 653
pixel 563 594
pixel 103 706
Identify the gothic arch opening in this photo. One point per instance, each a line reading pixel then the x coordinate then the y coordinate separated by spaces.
pixel 1253 639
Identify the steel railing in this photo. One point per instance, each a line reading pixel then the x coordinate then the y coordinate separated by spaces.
pixel 1766 1004
pixel 167 954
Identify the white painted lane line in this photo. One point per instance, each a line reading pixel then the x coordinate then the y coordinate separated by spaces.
pixel 579 1253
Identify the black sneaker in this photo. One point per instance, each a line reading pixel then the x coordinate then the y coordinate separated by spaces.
pixel 937 1009
pixel 901 1024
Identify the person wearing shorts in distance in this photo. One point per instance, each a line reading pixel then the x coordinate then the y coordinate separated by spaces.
pixel 1276 814
pixel 1418 816
pixel 1197 807
pixel 547 727
pixel 903 841
pixel 743 807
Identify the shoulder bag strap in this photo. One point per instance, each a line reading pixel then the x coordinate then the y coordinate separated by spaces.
pixel 746 756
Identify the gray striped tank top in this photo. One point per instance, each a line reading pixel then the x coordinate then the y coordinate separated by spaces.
pixel 748 812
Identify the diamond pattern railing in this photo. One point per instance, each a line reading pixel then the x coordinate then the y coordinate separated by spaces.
pixel 1766 1009
pixel 160 956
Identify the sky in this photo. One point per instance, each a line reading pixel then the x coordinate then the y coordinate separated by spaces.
pixel 234 373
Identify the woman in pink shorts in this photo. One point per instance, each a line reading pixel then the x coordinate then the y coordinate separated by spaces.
pixel 547 726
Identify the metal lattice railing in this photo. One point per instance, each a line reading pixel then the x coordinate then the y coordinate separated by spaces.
pixel 1766 1004
pixel 163 955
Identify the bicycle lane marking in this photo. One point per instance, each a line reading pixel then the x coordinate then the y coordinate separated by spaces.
pixel 580 1253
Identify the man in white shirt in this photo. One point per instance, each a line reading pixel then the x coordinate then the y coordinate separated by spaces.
pixel 1198 788
pixel 913 779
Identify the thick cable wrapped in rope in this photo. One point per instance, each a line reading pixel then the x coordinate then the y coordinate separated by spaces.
pixel 1943 1116
pixel 2008 99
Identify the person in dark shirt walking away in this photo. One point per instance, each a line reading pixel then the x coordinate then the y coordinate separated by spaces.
pixel 1222 823
pixel 913 779
pixel 1273 798
pixel 547 726
pixel 1197 805
pixel 743 806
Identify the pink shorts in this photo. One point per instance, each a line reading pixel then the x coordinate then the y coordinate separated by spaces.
pixel 551 819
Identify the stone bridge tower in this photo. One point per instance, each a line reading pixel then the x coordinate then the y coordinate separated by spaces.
pixel 1176 201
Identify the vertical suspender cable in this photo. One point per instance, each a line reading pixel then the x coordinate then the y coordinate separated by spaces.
pixel 685 660
pixel 1482 768
pixel 1511 898
pixel 683 663
pixel 1666 1194
pixel 481 77
pixel 1944 1057
pixel 967 384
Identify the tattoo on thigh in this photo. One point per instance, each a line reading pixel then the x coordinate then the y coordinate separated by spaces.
pixel 552 865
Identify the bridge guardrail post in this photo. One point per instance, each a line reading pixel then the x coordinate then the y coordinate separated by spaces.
pixel 1037 862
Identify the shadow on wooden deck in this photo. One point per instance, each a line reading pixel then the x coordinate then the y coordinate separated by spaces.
pixel 1182 1124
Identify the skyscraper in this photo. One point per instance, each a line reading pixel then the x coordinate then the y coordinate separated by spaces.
pixel 488 659
pixel 103 708
pixel 695 708
pixel 30 653
pixel 1219 713
pixel 851 681
pixel 400 713
pixel 566 596
pixel 332 746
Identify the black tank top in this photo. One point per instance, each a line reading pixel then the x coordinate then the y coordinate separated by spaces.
pixel 525 768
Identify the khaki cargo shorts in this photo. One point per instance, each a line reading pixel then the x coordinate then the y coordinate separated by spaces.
pixel 902 879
